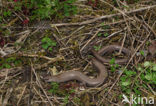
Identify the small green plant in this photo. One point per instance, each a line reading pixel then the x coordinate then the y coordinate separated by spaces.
pixel 7 13
pixel 77 100
pixel 97 48
pixel 47 43
pixel 126 80
pixel 112 61
pixel 142 53
pixel 66 99
pixel 41 9
pixel 47 8
pixel 113 65
pixel 68 96
pixel 55 87
pixel 67 93
pixel 132 81
pixel 106 34
pixel 9 62
pixel 148 74
pixel 99 34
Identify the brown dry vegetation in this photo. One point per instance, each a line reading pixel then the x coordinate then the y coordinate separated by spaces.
pixel 131 24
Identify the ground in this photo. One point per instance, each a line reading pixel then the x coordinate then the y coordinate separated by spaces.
pixel 32 49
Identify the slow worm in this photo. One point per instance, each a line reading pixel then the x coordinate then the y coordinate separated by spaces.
pixel 97 63
pixel 79 76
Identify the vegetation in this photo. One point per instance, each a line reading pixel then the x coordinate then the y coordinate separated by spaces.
pixel 40 38
pixel 40 9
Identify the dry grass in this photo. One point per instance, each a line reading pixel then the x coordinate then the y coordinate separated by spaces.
pixel 132 26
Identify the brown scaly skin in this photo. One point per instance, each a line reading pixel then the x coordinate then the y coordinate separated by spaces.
pixel 109 49
pixel 97 63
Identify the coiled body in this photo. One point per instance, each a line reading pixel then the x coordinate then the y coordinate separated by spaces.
pixel 97 63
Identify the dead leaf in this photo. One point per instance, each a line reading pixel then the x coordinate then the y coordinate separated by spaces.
pixel 53 71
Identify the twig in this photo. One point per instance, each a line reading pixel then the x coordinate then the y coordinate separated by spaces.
pixel 44 57
pixel 102 17
pixel 10 50
pixel 11 22
pixel 39 84
pixel 43 65
pixel 151 89
pixel 0 3
pixel 7 96
pixel 6 77
pixel 122 12
pixel 38 93
pixel 148 27
pixel 113 34
pixel 73 33
pixel 90 39
pixel 123 41
pixel 11 77
pixel 116 22
pixel 21 95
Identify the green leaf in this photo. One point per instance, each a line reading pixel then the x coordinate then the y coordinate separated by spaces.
pixel 112 61
pixel 149 76
pixel 106 34
pixel 1 67
pixel 142 53
pixel 45 39
pixel 55 87
pixel 45 46
pixel 130 73
pixel 142 76
pixel 126 83
pixel 154 67
pixel 147 64
pixel 66 99
pixel 50 49
pixel 113 68
pixel 7 13
pixel 97 48
pixel 47 42
pixel 17 62
pixel 140 68
pixel 17 8
pixel 137 91
pixel 10 59
pixel 72 90
pixel 99 34
pixel 123 78
pixel 6 65
pixel 154 76
pixel 102 24
pixel 128 91
pixel 116 65
pixel 67 14
pixel 53 43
